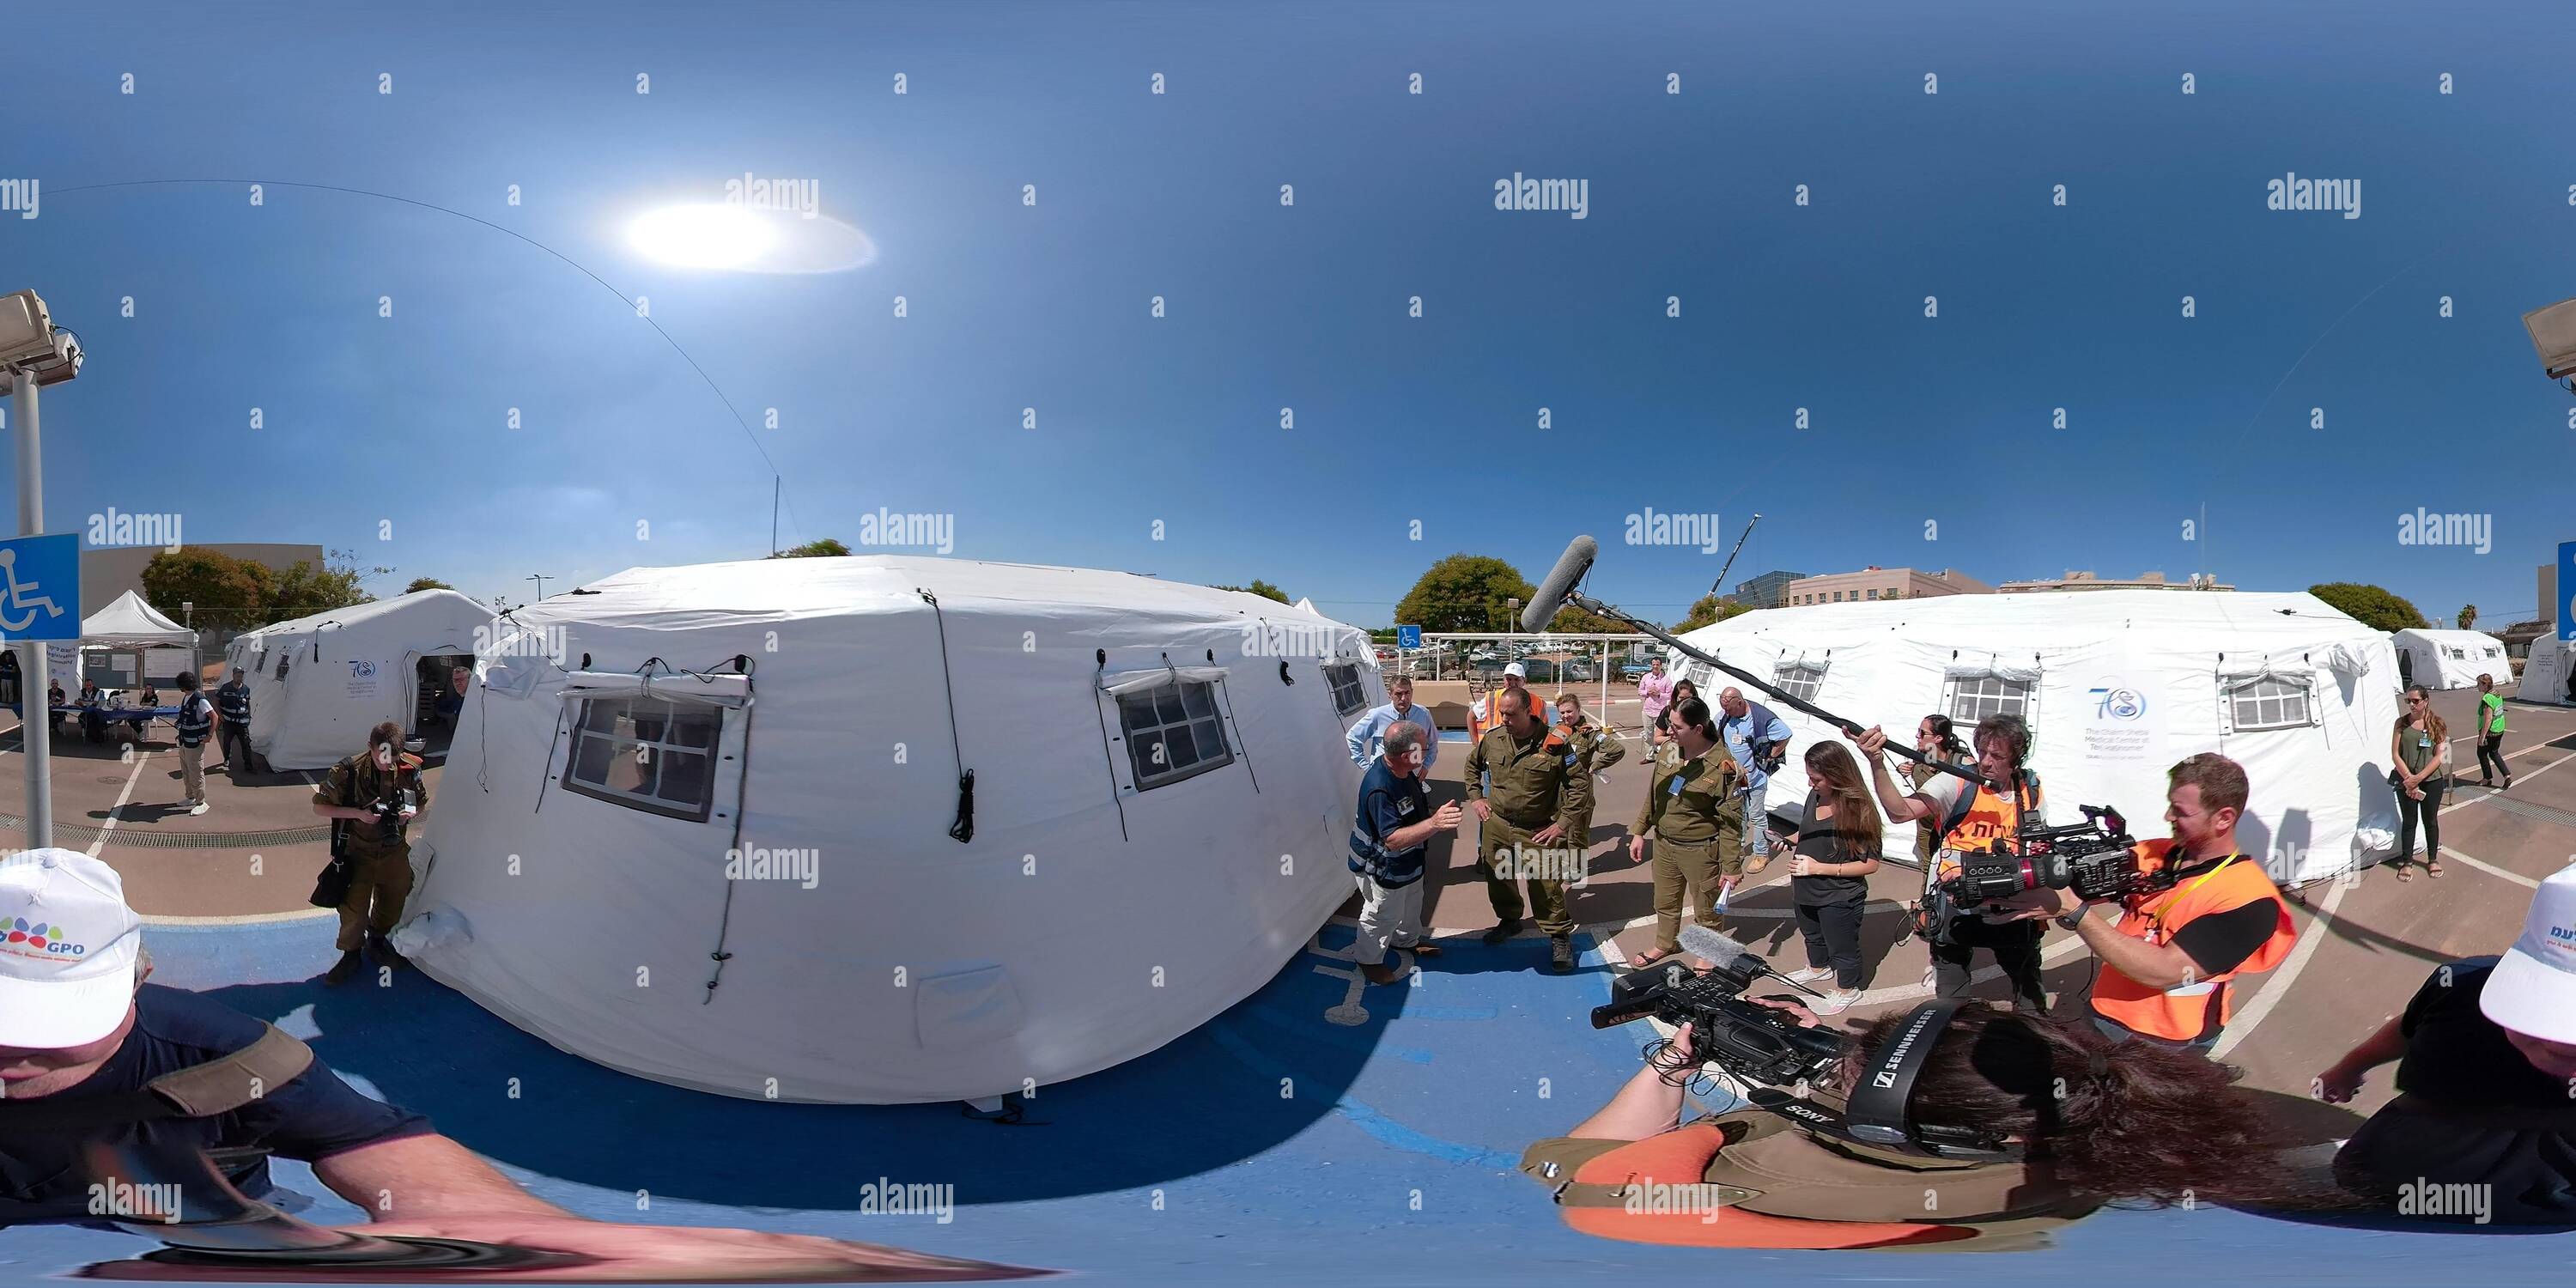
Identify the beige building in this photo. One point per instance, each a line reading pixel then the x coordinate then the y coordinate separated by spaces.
pixel 1875 582
pixel 2084 579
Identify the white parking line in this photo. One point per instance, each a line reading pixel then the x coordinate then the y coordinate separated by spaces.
pixel 2251 1017
pixel 2492 870
pixel 109 824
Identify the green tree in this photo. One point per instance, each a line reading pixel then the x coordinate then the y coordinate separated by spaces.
pixel 2468 617
pixel 425 583
pixel 816 549
pixel 228 593
pixel 305 589
pixel 1463 593
pixel 1263 589
pixel 1709 609
pixel 1570 620
pixel 2369 605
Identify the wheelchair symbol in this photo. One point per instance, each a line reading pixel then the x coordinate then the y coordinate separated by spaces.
pixel 22 596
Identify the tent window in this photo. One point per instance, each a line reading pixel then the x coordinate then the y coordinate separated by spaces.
pixel 2268 703
pixel 1173 732
pixel 1800 679
pixel 1347 694
pixel 1979 696
pixel 282 660
pixel 646 754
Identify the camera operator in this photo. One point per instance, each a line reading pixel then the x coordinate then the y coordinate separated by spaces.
pixel 1971 816
pixel 2486 1079
pixel 371 799
pixel 2169 957
pixel 2079 1127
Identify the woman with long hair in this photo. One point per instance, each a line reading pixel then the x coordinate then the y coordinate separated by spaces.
pixel 2421 750
pixel 1836 845
pixel 2086 1121
pixel 1661 731
pixel 1938 739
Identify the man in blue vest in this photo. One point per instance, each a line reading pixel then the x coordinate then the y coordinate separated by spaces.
pixel 196 724
pixel 232 702
pixel 1757 741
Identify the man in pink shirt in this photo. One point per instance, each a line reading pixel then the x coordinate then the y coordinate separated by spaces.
pixel 1655 690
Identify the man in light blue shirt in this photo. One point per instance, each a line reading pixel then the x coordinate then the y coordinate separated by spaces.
pixel 1368 737
pixel 1755 739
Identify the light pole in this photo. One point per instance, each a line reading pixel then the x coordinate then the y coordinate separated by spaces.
pixel 33 353
pixel 540 579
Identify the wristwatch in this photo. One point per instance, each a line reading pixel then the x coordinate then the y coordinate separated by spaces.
pixel 2073 920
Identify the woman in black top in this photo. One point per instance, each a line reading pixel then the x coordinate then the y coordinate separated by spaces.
pixel 1837 847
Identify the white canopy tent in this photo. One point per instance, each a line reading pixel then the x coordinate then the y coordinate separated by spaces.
pixel 2440 659
pixel 2118 685
pixel 129 625
pixel 1160 810
pixel 319 683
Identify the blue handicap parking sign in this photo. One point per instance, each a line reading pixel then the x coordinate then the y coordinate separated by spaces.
pixel 1408 637
pixel 2567 590
pixel 40 588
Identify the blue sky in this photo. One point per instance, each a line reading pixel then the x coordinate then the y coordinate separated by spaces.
pixel 371 420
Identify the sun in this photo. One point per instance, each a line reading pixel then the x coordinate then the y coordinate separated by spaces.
pixel 703 236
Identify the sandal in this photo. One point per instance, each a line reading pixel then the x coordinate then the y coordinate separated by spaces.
pixel 1650 957
pixel 2433 868
pixel 2405 872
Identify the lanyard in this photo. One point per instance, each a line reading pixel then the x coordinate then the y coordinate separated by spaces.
pixel 2156 920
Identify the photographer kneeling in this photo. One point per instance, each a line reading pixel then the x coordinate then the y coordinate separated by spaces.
pixel 1998 1127
pixel 2207 913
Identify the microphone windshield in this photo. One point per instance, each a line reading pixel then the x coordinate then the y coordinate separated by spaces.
pixel 1708 945
pixel 1551 593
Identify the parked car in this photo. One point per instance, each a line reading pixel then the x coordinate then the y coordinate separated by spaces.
pixel 1634 670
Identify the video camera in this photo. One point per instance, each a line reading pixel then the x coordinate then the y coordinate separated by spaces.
pixel 2097 859
pixel 389 815
pixel 1755 1043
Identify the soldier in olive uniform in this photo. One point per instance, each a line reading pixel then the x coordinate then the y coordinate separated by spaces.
pixel 372 797
pixel 1695 818
pixel 1533 812
pixel 1601 749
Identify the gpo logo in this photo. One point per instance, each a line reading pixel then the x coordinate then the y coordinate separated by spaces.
pixel 2119 703
pixel 362 670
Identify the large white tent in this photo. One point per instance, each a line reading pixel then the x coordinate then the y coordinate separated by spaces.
pixel 319 683
pixel 2118 685
pixel 2440 659
pixel 2549 674
pixel 705 824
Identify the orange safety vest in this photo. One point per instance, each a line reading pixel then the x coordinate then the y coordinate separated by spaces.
pixel 1687 1153
pixel 2185 1012
pixel 1990 818
pixel 1492 704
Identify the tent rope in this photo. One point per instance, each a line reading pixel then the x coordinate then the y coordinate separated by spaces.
pixel 963 830
pixel 1099 686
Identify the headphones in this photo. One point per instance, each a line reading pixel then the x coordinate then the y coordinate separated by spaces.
pixel 1875 1114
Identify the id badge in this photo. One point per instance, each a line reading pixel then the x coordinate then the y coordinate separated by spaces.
pixel 1674 789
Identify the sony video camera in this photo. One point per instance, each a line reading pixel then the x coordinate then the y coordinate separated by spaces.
pixel 1757 1044
pixel 2097 859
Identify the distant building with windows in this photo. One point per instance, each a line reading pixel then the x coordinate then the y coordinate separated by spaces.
pixel 1875 582
pixel 2084 579
pixel 1766 590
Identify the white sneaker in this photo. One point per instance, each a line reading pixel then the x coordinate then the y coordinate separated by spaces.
pixel 198 808
pixel 1835 1002
pixel 1810 974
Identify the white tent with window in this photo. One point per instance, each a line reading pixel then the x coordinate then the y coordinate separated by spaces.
pixel 319 683
pixel 2118 686
pixel 2450 659
pixel 712 825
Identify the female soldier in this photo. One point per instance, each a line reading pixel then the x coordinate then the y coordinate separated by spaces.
pixel 1661 731
pixel 1690 812
pixel 2093 1121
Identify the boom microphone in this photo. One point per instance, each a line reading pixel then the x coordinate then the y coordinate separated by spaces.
pixel 1550 595
pixel 1730 954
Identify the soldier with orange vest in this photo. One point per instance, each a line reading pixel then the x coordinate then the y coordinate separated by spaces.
pixel 2168 959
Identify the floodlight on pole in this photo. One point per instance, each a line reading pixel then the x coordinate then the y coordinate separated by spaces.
pixel 2553 333
pixel 33 354
pixel 540 579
